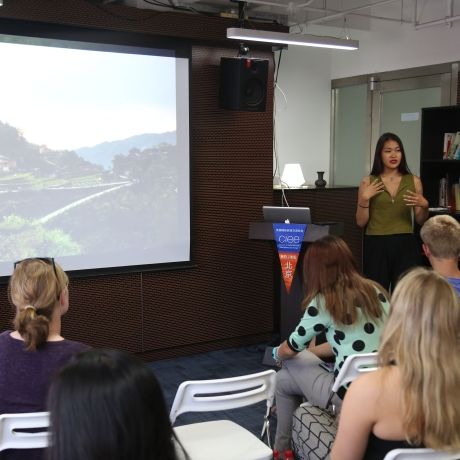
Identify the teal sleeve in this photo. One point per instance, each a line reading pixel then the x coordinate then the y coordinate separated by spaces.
pixel 314 321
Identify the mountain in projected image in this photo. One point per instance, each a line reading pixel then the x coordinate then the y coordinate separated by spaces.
pixel 20 160
pixel 103 154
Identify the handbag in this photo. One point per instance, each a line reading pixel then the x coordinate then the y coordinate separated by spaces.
pixel 313 431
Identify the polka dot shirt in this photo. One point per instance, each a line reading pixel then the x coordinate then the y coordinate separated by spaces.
pixel 361 337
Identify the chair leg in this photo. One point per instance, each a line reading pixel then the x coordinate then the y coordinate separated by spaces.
pixel 266 429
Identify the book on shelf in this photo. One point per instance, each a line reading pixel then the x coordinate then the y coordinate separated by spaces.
pixel 448 138
pixel 444 192
pixel 456 197
pixel 457 153
pixel 452 146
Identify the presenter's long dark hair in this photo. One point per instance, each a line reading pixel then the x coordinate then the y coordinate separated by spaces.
pixel 106 404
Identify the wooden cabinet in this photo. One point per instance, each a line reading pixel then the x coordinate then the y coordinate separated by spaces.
pixel 435 122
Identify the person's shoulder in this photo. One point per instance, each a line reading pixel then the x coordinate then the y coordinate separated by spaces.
pixel 63 351
pixel 382 293
pixel 6 344
pixel 5 335
pixel 316 311
pixel 366 386
pixel 74 346
pixel 317 305
pixel 415 178
pixel 366 180
pixel 7 340
pixel 455 282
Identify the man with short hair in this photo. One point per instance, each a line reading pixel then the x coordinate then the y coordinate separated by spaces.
pixel 441 244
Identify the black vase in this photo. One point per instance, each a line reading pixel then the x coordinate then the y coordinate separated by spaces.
pixel 320 182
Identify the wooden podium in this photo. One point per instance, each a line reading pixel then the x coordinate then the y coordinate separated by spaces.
pixel 290 304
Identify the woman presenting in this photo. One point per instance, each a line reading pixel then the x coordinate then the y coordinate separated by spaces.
pixel 389 200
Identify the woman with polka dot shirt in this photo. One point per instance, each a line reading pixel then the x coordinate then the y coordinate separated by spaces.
pixel 350 310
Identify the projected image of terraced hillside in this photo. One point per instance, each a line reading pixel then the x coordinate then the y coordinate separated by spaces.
pixel 59 203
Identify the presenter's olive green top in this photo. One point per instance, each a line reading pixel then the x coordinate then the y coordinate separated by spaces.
pixel 391 216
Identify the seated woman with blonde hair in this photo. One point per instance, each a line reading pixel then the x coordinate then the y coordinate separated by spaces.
pixel 32 353
pixel 412 400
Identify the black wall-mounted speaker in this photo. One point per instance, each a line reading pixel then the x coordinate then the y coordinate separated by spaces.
pixel 243 84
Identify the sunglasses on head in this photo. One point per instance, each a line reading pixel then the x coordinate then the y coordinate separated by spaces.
pixel 47 260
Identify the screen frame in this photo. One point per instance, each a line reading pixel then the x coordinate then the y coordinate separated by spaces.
pixel 68 32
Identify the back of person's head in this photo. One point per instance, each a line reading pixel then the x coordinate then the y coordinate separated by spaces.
pixel 422 337
pixel 106 404
pixel 377 165
pixel 35 289
pixel 328 259
pixel 442 236
pixel 329 269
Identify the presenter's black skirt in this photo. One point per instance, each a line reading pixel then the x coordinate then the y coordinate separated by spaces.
pixel 387 257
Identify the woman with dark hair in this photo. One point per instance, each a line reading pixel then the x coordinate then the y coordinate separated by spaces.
pixel 412 399
pixel 350 310
pixel 32 353
pixel 106 404
pixel 389 200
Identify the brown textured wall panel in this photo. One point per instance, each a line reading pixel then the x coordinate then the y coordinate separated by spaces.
pixel 231 177
pixel 227 300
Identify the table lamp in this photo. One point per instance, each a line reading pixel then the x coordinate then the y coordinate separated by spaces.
pixel 292 175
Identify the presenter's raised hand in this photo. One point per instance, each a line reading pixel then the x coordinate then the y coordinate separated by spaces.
pixel 373 188
pixel 415 199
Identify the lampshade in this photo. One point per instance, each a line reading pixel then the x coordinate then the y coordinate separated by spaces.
pixel 292 175
pixel 291 39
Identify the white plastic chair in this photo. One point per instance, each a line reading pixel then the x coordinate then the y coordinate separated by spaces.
pixel 224 439
pixel 354 366
pixel 10 438
pixel 421 454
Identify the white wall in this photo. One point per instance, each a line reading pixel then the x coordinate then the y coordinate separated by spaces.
pixel 302 120
pixel 303 127
pixel 393 46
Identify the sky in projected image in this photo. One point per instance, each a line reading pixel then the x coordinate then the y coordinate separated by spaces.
pixel 93 157
pixel 68 98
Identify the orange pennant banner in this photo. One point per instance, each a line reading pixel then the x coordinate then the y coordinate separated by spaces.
pixel 288 264
pixel 288 239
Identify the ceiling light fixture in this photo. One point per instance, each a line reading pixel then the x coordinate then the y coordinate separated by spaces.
pixel 291 39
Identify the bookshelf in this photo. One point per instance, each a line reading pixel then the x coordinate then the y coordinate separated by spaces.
pixel 435 122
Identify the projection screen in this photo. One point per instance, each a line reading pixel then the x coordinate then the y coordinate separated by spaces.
pixel 94 149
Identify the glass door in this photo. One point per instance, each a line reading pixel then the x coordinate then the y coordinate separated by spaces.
pixel 366 106
pixel 397 108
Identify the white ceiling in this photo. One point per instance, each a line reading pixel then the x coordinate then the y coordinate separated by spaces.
pixel 338 13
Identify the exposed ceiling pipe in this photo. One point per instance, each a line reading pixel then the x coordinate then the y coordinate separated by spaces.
pixel 437 22
pixel 346 12
pixel 382 18
pixel 325 11
pixel 283 5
